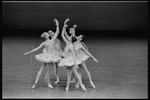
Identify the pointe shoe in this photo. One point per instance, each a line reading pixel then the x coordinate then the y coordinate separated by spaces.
pixel 34 85
pixel 45 77
pixel 92 84
pixel 83 87
pixel 73 81
pixel 67 89
pixel 50 86
pixel 56 81
pixel 77 85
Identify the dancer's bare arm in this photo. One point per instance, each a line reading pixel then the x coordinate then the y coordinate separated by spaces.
pixel 74 26
pixel 57 29
pixel 40 46
pixel 62 34
pixel 66 35
pixel 83 48
pixel 64 30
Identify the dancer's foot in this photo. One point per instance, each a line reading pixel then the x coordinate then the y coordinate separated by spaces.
pixel 73 81
pixel 45 77
pixel 50 86
pixel 56 81
pixel 67 88
pixel 34 85
pixel 83 87
pixel 77 85
pixel 92 84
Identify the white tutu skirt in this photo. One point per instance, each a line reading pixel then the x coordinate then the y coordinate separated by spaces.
pixel 82 56
pixel 68 61
pixel 58 53
pixel 47 57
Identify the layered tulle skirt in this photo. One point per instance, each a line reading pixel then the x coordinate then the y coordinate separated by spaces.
pixel 82 56
pixel 68 60
pixel 48 58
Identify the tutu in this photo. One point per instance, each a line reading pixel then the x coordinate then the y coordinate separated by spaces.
pixel 82 56
pixel 68 61
pixel 47 57
pixel 58 53
pixel 66 54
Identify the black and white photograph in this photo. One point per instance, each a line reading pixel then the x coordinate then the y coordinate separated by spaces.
pixel 75 49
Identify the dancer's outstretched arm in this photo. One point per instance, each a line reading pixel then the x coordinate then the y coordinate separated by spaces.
pixel 89 54
pixel 57 29
pixel 85 46
pixel 41 45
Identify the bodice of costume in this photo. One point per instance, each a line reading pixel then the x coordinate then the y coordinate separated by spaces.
pixel 67 50
pixel 77 45
pixel 49 46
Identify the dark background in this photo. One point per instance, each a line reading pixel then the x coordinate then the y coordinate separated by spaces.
pixel 93 19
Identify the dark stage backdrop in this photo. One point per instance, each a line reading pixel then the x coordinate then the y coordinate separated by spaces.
pixel 92 18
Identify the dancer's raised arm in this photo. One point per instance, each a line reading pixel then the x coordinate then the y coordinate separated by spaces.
pixel 72 32
pixel 64 30
pixel 57 29
pixel 40 46
pixel 66 35
pixel 74 26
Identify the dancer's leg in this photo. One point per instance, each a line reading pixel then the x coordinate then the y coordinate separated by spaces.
pixel 73 78
pixel 79 71
pixel 56 72
pixel 46 75
pixel 39 74
pixel 68 77
pixel 49 67
pixel 88 73
pixel 74 69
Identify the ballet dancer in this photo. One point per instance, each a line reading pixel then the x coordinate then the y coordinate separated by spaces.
pixel 82 53
pixel 49 56
pixel 58 50
pixel 70 61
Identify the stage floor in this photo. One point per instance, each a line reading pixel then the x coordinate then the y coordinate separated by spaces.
pixel 122 71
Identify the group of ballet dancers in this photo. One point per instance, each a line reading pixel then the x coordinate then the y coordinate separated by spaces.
pixel 73 56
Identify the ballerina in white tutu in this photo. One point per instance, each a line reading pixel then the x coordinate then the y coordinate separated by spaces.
pixel 47 57
pixel 58 50
pixel 70 61
pixel 82 54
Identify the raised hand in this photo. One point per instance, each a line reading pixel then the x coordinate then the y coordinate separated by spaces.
pixel 75 25
pixel 65 25
pixel 66 20
pixel 55 20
